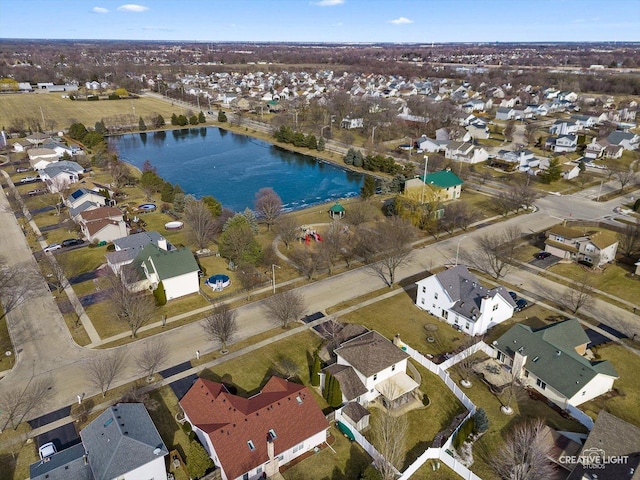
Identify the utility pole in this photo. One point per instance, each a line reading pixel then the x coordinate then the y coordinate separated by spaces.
pixel 424 179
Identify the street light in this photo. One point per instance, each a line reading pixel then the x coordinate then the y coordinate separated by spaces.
pixel 458 249
pixel 273 275
pixel 373 132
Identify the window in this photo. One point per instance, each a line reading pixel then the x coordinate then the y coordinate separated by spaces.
pixel 467 325
pixel 272 434
pixel 245 476
pixel 393 367
pixel 424 289
pixel 435 295
pixel 526 374
pixel 495 307
pixel 541 384
pixel 422 301
pixel 298 447
pixel 259 470
pixel 251 446
pixel 375 377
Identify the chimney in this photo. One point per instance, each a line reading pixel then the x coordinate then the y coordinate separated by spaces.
pixel 271 449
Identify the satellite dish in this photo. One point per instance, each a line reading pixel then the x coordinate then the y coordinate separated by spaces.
pixel 157 451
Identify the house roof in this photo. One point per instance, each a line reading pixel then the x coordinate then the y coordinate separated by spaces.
pixel 81 192
pixel 121 439
pixel 231 421
pixel 370 353
pixel 552 357
pixel 464 288
pixel 167 264
pixel 603 238
pixel 617 438
pixel 97 225
pixel 67 464
pixel 350 384
pixel 617 136
pixel 139 240
pixel 566 232
pixel 443 179
pixel 73 212
pixel 355 411
pixel 99 213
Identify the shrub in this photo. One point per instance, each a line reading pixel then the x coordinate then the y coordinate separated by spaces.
pixel 198 460
pixel 426 401
pixel 480 421
pixel 160 295
pixel 636 206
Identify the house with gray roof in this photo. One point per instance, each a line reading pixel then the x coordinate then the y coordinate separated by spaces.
pixel 127 248
pixel 368 366
pixel 82 195
pixel 177 269
pixel 457 297
pixel 610 438
pixel 122 443
pixel 552 360
pixel 60 175
pixel 627 140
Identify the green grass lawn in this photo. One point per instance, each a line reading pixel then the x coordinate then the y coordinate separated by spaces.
pixel 427 471
pixel 347 462
pixel 15 459
pixel 625 399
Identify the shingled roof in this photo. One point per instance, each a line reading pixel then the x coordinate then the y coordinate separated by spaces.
pixel 370 353
pixel 231 421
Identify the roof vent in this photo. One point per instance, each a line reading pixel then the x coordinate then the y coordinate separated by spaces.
pixel 521 349
pixel 157 451
pixel 108 422
pixel 558 352
pixel 535 359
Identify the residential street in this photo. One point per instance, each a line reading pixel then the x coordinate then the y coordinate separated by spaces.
pixel 45 348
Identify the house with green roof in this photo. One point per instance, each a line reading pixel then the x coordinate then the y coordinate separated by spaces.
pixel 177 270
pixel 552 360
pixel 438 186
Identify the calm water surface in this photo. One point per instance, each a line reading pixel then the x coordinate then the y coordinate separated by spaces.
pixel 232 168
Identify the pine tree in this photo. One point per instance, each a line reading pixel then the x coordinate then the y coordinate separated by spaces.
pixel 335 398
pixel 369 187
pixel 315 370
pixel 141 125
pixel 174 119
pixel 201 117
pixel 358 160
pixel 222 117
pixel 553 173
pixel 198 460
pixel 321 144
pixel 348 158
pixel 328 383
pixel 480 421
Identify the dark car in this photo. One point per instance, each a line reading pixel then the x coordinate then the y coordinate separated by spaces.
pixel 71 242
pixel 521 304
pixel 543 255
pixel 514 296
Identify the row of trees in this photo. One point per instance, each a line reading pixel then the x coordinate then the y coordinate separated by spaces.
pixel 286 134
pixel 184 120
pixel 374 163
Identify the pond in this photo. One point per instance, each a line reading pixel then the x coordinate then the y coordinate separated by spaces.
pixel 232 167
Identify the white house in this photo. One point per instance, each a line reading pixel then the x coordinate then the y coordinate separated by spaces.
pixel 457 297
pixel 250 437
pixel 564 127
pixel 350 123
pixel 122 443
pixel 368 366
pixel 430 145
pixel 627 140
pixel 81 195
pixel 103 224
pixel 39 158
pixel 59 176
pixel 596 247
pixel 552 360
pixel 127 248
pixel 177 269
pixel 465 152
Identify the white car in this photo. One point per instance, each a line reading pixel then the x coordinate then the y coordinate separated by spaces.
pixel 52 247
pixel 46 450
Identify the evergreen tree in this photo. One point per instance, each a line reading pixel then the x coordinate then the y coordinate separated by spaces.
pixel 358 160
pixel 160 295
pixel 321 144
pixel 100 127
pixel 553 173
pixel 212 204
pixel 335 395
pixel 198 460
pixel 312 142
pixel 141 125
pixel 158 121
pixel 167 193
pixel 193 120
pixel 348 158
pixel 201 117
pixel 480 421
pixel 251 219
pixel 369 187
pixel 222 117
pixel 77 131
pixel 299 139
pixel 315 370
pixel 182 120
pixel 174 119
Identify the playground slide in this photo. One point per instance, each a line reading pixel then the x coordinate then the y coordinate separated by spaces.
pixel 307 239
pixel 318 237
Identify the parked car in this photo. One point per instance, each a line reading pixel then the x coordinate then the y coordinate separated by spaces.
pixel 514 296
pixel 47 450
pixel 52 247
pixel 521 304
pixel 29 179
pixel 37 191
pixel 72 242
pixel 543 255
pixel 22 169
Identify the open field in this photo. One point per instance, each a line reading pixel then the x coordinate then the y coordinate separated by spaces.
pixel 60 112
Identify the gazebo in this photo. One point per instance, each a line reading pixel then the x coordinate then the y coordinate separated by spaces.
pixel 337 211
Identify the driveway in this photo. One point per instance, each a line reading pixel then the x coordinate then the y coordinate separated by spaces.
pixel 544 262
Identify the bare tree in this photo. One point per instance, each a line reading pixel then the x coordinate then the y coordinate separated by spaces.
pixel 200 221
pixel 332 245
pixel 101 370
pixel 509 130
pixel 152 355
pixel 465 366
pixel 458 215
pixel 390 246
pixel 629 239
pixel 288 367
pixel 16 404
pixel 390 434
pixel 120 172
pixel 285 307
pixel 625 176
pixel 135 308
pixel 220 325
pixel 268 205
pixel 17 282
pixel 249 277
pixel 495 253
pixel 361 212
pixel 525 453
pixel 580 294
pixel 288 229
pixel 505 202
pixel 308 261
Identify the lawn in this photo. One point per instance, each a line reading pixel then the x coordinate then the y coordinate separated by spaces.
pixel 624 400
pixel 426 422
pixel 60 112
pixel 15 460
pixel 346 461
pixel 400 315
pixel 287 358
pixel 499 424
pixel 441 473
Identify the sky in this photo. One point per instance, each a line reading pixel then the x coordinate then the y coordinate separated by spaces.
pixel 397 21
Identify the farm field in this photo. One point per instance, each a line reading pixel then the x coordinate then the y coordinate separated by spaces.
pixel 61 112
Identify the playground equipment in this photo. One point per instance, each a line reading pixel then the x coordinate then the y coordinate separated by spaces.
pixel 308 233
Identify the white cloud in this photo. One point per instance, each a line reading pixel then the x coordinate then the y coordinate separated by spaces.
pixel 328 3
pixel 132 7
pixel 99 10
pixel 400 21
